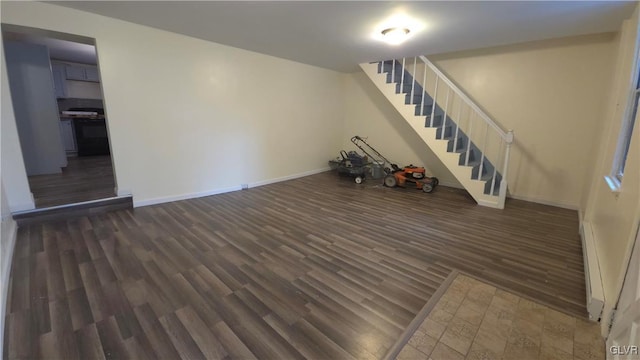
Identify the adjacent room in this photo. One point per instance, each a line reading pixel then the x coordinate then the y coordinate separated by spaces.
pixel 60 78
pixel 321 180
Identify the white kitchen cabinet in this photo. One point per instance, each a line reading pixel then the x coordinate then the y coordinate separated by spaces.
pixel 68 136
pixel 92 74
pixel 75 72
pixel 82 73
pixel 59 80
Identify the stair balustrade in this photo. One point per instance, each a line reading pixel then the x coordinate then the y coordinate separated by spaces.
pixel 482 144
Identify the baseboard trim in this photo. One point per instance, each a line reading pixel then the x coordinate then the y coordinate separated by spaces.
pixel 450 184
pixel 580 220
pixel 166 199
pixel 68 211
pixel 6 271
pixel 289 177
pixel 67 206
pixel 489 204
pixel 593 275
pixel 544 202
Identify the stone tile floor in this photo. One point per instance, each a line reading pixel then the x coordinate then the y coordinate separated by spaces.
pixel 474 320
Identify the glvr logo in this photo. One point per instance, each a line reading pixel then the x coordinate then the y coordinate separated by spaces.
pixel 624 350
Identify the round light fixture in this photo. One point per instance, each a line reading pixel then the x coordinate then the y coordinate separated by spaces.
pixel 395 35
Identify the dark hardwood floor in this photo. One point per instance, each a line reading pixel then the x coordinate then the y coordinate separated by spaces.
pixel 84 178
pixel 316 267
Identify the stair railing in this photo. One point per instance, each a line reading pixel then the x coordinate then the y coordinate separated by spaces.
pixel 493 142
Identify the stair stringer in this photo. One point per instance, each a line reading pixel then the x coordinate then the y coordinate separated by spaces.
pixel 428 135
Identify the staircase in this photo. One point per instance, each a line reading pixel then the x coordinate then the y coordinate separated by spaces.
pixel 473 147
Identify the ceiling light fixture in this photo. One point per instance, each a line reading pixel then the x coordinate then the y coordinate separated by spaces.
pixel 395 35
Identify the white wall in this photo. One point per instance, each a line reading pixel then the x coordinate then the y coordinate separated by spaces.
pixel 12 169
pixel 615 216
pixel 7 242
pixel 35 107
pixel 551 93
pixel 369 114
pixel 188 117
pixel 19 199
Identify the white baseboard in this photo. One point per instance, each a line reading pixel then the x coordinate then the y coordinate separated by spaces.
pixel 593 276
pixel 166 199
pixel 288 177
pixel 544 202
pixel 160 200
pixel 580 220
pixel 65 206
pixel 525 198
pixel 451 184
pixel 7 258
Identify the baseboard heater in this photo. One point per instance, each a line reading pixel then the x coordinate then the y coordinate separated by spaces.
pixel 593 279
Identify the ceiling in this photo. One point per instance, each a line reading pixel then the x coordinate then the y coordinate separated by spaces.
pixel 339 35
pixel 58 49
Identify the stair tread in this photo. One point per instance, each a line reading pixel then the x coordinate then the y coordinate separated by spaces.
pixel 418 97
pixel 486 177
pixel 472 163
pixel 459 151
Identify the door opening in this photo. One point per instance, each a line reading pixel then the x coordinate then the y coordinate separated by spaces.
pixel 58 103
pixel 623 341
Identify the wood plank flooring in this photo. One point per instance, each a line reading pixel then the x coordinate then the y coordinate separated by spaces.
pixel 85 178
pixel 316 267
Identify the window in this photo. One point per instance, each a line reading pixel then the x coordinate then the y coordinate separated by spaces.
pixel 624 139
pixel 627 130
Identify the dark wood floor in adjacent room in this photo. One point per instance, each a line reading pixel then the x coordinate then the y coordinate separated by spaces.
pixel 84 179
pixel 317 267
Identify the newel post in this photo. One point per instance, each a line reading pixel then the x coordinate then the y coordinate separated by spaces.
pixel 505 171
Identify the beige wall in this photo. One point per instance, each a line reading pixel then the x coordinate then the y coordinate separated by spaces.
pixel 615 216
pixel 369 114
pixel 188 117
pixel 21 199
pixel 8 230
pixel 551 93
pixel 12 168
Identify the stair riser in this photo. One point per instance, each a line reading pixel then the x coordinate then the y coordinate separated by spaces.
pixel 463 154
pixel 496 188
pixel 485 171
pixel 424 108
pixel 460 145
pixel 417 100
pixel 437 121
pixel 448 132
pixel 406 86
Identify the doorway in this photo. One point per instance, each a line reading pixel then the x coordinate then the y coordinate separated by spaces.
pixel 623 341
pixel 58 102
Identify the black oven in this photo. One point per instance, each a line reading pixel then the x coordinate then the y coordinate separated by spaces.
pixel 91 134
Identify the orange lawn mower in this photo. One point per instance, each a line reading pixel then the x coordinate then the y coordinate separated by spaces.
pixel 411 176
pixel 396 176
